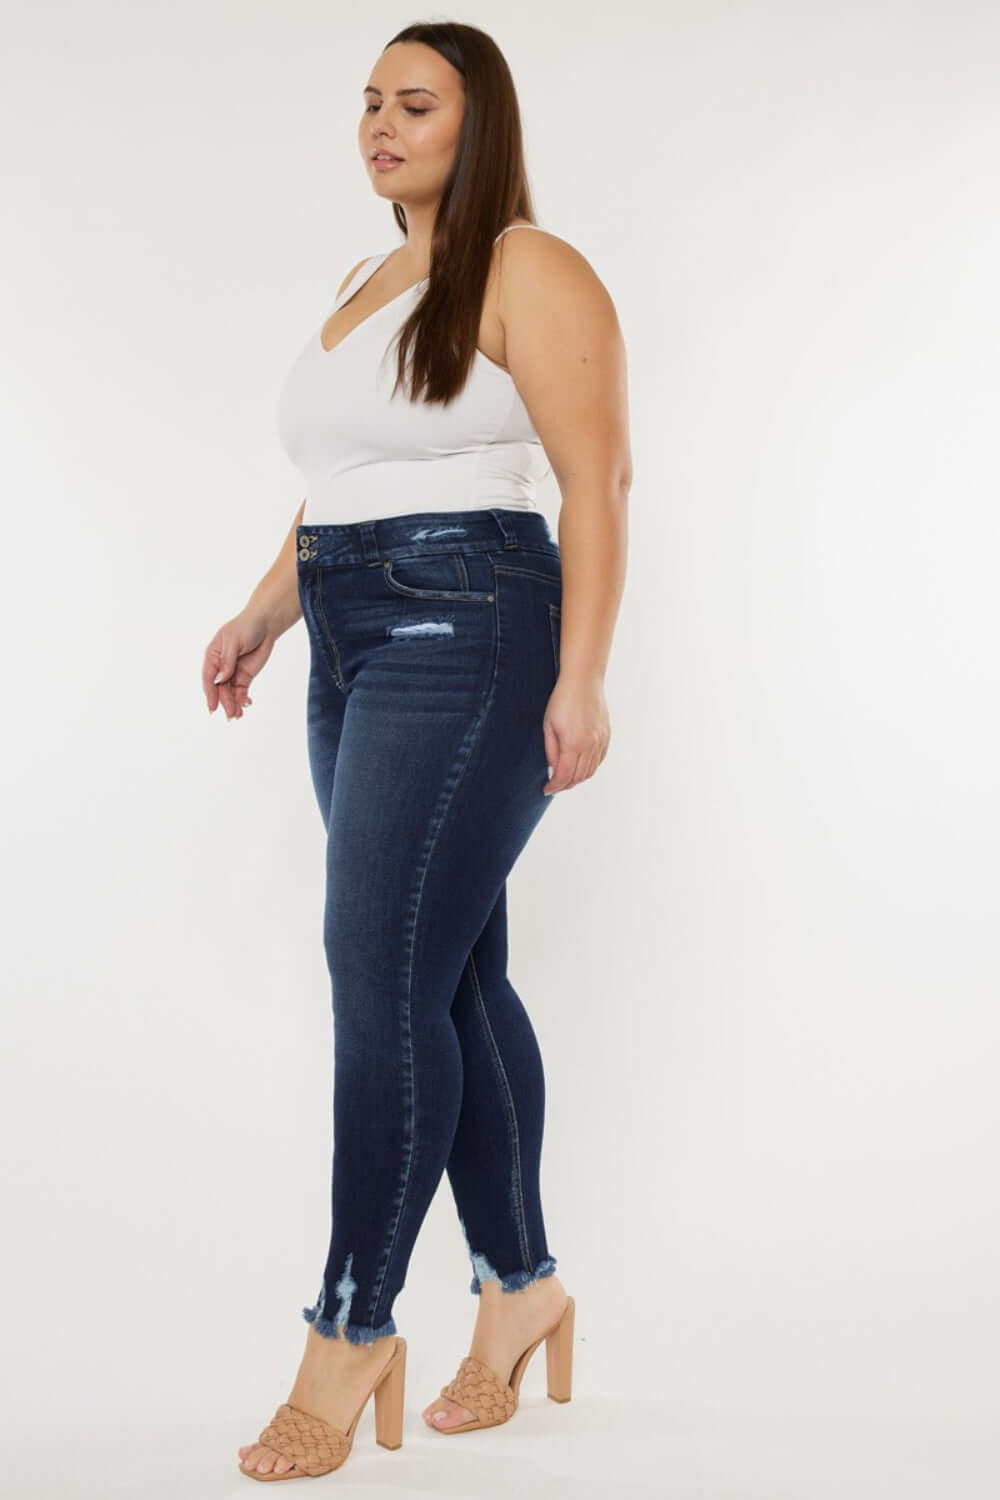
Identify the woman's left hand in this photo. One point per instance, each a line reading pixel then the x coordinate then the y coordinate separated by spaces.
pixel 577 731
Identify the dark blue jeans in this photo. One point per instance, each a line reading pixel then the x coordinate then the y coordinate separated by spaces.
pixel 434 649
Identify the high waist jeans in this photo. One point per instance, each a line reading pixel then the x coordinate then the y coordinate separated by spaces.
pixel 434 643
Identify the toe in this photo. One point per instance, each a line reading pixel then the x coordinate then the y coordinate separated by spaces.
pixel 266 1461
pixel 262 1460
pixel 448 1413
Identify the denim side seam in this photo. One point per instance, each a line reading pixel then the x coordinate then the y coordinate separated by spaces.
pixel 464 757
pixel 518 1193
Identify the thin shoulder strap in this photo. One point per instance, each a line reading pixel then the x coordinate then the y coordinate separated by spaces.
pixel 367 268
pixel 517 226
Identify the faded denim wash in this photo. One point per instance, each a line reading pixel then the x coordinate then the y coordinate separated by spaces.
pixel 434 643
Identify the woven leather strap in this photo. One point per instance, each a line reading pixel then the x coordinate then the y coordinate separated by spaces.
pixel 306 1441
pixel 483 1392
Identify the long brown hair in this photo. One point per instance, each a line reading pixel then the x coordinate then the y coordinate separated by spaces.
pixel 486 188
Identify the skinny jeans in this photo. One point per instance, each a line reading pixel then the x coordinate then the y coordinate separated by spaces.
pixel 434 648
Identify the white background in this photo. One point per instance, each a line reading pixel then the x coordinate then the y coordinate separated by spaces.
pixel 759 946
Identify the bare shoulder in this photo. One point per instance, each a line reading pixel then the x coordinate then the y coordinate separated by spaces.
pixel 565 353
pixel 540 267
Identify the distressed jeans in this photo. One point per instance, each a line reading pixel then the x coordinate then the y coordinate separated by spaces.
pixel 434 641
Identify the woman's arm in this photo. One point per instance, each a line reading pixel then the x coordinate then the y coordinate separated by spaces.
pixel 277 594
pixel 565 352
pixel 241 647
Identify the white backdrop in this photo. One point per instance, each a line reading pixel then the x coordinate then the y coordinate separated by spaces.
pixel 759 947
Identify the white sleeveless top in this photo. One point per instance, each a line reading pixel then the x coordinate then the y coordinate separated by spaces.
pixel 365 453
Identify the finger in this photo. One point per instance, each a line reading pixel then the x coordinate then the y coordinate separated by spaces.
pixel 565 767
pixel 210 665
pixel 574 774
pixel 582 771
pixel 248 664
pixel 209 671
pixel 234 695
pixel 234 706
pixel 232 685
pixel 220 657
pixel 219 690
pixel 594 760
pixel 555 762
pixel 551 748
pixel 596 755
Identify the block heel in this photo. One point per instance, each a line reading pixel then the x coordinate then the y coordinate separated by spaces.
pixel 316 1447
pixel 481 1390
pixel 559 1356
pixel 389 1402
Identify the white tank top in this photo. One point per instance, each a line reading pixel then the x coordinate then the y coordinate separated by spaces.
pixel 364 453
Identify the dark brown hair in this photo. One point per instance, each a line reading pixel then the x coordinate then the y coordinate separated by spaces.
pixel 486 188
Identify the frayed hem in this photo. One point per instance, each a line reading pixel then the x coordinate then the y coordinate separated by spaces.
pixel 340 1326
pixel 354 1333
pixel 516 1281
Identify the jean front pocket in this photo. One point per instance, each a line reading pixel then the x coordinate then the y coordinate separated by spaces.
pixel 438 575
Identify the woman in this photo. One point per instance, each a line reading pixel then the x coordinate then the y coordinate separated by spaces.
pixel 449 681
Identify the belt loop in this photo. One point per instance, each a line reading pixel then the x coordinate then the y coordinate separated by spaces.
pixel 369 541
pixel 509 534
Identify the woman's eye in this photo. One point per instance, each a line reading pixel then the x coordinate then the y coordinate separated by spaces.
pixel 411 109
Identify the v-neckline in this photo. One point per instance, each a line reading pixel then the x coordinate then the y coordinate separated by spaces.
pixel 380 260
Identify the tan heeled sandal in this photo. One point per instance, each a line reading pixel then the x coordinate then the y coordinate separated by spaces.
pixel 480 1389
pixel 316 1447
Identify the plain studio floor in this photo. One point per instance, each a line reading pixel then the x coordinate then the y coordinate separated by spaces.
pixel 593 1448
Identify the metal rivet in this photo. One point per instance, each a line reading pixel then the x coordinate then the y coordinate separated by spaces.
pixel 303 553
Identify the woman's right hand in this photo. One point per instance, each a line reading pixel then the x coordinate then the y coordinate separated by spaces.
pixel 233 658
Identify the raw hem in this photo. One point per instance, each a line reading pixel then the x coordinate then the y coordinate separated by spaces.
pixel 354 1333
pixel 516 1281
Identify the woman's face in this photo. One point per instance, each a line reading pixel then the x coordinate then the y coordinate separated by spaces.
pixel 413 109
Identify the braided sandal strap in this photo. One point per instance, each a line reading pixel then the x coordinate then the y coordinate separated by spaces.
pixel 477 1387
pixel 306 1441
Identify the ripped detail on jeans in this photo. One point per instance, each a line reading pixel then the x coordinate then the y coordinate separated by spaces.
pixel 514 1281
pixel 425 533
pixel 421 628
pixel 341 1326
